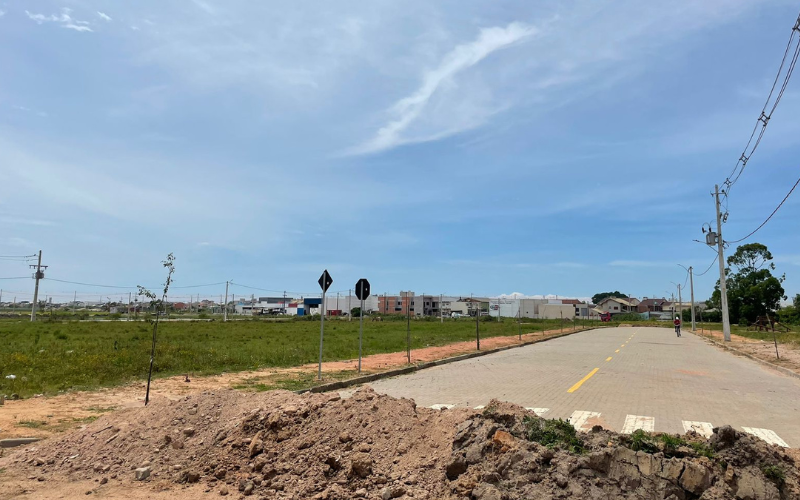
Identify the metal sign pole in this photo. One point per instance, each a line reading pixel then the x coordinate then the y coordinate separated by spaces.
pixel 360 334
pixel 321 335
pixel 478 328
pixel 408 327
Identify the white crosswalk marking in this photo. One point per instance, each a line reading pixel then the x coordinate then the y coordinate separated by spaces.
pixel 634 422
pixel 702 428
pixel 580 420
pixel 441 407
pixel 767 435
pixel 538 411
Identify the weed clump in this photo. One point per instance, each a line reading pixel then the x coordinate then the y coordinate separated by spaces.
pixel 774 473
pixel 553 433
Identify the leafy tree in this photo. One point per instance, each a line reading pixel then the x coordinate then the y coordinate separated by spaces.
pixel 752 289
pixel 600 296
pixel 355 312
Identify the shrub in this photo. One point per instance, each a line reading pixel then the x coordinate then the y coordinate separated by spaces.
pixel 552 433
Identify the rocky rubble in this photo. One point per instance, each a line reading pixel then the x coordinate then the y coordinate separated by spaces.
pixel 318 446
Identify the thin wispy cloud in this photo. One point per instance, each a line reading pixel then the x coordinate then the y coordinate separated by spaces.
pixel 409 109
pixel 64 19
pixel 104 16
pixel 29 110
pixel 205 6
pixel 2 13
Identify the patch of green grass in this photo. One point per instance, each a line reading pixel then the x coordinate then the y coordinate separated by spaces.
pixel 774 473
pixel 671 443
pixel 642 441
pixel 49 357
pixel 702 449
pixel 32 424
pixel 101 409
pixel 792 337
pixel 553 433
pixel 297 382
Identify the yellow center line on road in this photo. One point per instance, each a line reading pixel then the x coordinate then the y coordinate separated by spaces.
pixel 617 350
pixel 608 358
pixel 581 381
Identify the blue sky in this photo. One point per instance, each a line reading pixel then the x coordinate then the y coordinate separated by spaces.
pixel 548 147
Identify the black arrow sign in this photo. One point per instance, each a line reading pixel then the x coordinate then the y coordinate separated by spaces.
pixel 362 289
pixel 325 281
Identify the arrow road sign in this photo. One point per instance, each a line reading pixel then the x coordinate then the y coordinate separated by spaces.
pixel 325 281
pixel 362 289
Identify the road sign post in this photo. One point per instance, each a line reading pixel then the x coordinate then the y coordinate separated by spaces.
pixel 325 282
pixel 362 292
pixel 478 328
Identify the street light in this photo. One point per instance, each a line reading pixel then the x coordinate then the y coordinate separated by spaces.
pixel 690 270
pixel 680 301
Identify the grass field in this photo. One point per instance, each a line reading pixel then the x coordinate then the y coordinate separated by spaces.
pixel 47 357
pixel 792 337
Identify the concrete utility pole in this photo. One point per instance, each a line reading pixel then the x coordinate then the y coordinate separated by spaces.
pixel 408 326
pixel 38 275
pixel 225 310
pixel 723 290
pixel 441 308
pixel 129 306
pixel 350 313
pixel 690 270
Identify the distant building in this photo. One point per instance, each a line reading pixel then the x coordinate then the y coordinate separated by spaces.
pixel 616 305
pixel 265 305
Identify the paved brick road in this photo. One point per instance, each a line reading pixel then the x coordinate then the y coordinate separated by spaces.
pixel 655 381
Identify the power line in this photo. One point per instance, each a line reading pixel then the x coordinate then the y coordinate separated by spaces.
pixel 770 215
pixel 91 284
pixel 709 267
pixel 17 278
pixel 764 117
pixel 199 286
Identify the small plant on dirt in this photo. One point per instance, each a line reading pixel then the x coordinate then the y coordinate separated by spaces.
pixel 552 433
pixel 490 411
pixel 702 449
pixel 774 473
pixel 643 441
pixel 31 424
pixel 160 308
pixel 671 443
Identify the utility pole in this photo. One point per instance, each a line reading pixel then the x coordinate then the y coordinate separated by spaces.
pixel 691 288
pixel 680 304
pixel 723 289
pixel 38 275
pixel 441 308
pixel 350 309
pixel 225 310
pixel 129 306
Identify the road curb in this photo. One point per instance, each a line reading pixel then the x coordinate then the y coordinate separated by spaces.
pixel 781 369
pixel 343 384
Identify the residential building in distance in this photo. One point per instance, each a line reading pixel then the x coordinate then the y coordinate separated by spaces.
pixel 616 305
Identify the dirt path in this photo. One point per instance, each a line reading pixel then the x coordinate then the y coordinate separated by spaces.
pixel 45 416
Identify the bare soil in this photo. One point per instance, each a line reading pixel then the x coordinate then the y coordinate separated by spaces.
pixel 279 444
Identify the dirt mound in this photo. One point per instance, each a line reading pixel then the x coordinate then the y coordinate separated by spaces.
pixel 283 445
